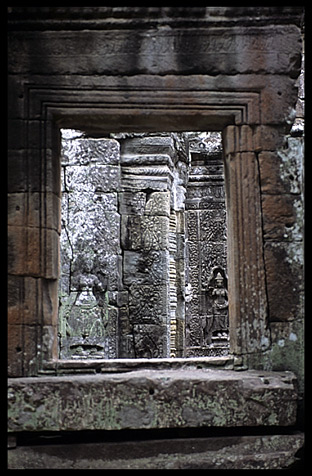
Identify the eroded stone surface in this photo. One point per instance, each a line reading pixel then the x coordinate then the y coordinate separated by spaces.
pixel 206 250
pixel 142 222
pixel 244 452
pixel 90 247
pixel 153 399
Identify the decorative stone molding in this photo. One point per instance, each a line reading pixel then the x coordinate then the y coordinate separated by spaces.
pixel 106 108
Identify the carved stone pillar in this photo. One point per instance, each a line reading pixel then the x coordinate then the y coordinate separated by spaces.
pixel 206 250
pixel 247 287
pixel 147 176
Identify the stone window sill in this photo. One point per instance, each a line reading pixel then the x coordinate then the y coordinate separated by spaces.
pixel 150 398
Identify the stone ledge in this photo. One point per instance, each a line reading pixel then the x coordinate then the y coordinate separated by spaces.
pixel 153 399
pixel 227 452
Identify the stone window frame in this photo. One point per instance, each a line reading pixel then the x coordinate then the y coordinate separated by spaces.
pixel 142 108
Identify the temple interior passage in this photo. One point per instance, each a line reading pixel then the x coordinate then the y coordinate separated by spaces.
pixel 143 246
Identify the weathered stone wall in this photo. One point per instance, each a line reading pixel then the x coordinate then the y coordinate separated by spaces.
pixel 123 69
pixel 282 197
pixel 135 265
pixel 118 286
pixel 90 248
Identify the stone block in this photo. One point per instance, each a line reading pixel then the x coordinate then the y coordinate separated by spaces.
pixel 145 267
pixel 90 238
pixel 157 183
pixel 284 276
pixel 50 263
pixel 272 180
pixel 148 304
pixel 16 134
pixel 149 341
pixel 82 151
pixel 270 137
pixel 23 250
pixel 278 451
pixel 192 253
pixel 33 170
pixel 213 254
pixel 280 218
pixel 17 171
pixel 153 399
pixel 186 51
pixel 192 225
pixel 34 209
pixel 288 349
pixel 44 209
pixel 22 350
pixel 300 109
pixel 194 330
pixel 24 300
pixel 144 233
pixel 15 350
pixel 194 278
pixel 149 177
pixel 88 326
pixel 135 161
pixel 212 225
pixel 240 139
pixel 49 301
pixel 132 203
pixel 257 138
pixel 292 164
pixel 15 91
pixel 17 208
pixel 158 204
pixel 49 349
pixel 95 226
pixel 141 146
pixel 92 178
pixel 15 299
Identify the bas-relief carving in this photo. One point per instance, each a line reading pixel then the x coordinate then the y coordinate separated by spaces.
pixel 90 248
pixel 146 232
pixel 124 266
pixel 164 43
pixel 206 304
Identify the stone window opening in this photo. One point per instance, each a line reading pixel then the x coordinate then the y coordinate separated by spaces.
pixel 143 247
pixel 108 69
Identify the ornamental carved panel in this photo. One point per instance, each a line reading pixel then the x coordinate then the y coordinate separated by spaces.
pixel 206 310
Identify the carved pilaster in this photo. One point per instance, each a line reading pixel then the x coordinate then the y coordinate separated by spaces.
pixel 148 243
pixel 206 317
pixel 247 287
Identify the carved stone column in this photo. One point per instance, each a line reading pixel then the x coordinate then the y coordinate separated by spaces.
pixel 206 250
pixel 247 287
pixel 147 176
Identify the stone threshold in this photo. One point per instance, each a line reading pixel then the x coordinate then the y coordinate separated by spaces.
pixel 151 399
pixel 59 367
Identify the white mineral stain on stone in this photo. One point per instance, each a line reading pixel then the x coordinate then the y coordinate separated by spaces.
pixel 292 337
pixel 264 342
